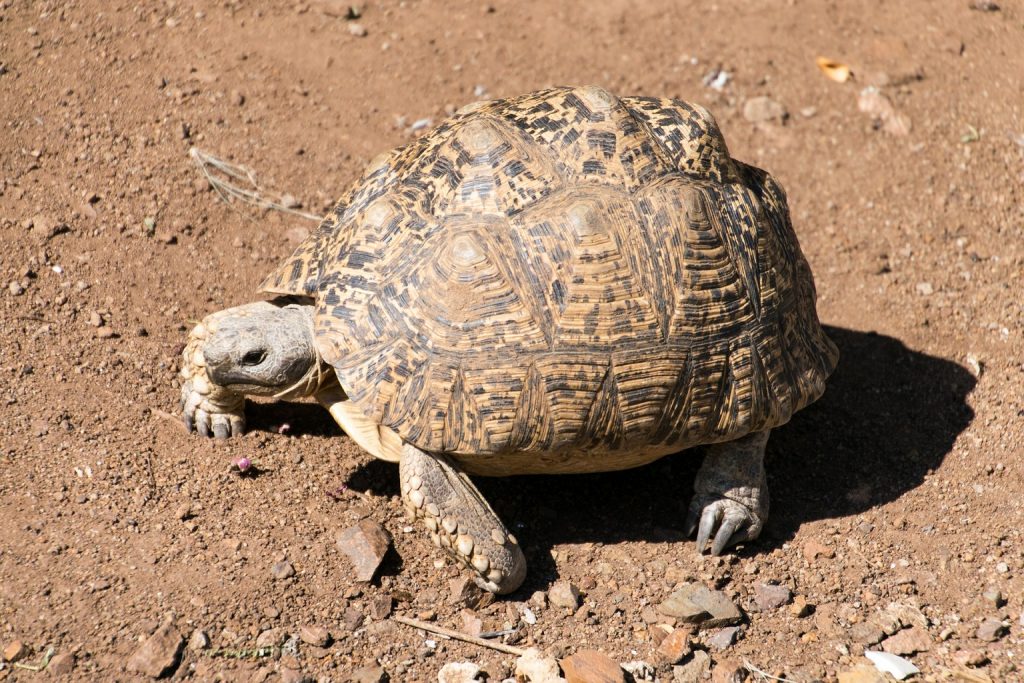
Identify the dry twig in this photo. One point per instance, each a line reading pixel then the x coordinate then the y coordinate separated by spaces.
pixel 458 635
pixel 234 182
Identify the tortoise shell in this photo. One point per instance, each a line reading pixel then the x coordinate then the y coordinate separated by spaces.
pixel 565 281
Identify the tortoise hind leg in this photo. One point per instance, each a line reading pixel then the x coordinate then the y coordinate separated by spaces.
pixel 460 520
pixel 730 502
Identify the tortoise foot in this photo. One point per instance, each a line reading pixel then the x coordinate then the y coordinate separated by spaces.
pixel 731 500
pixel 206 407
pixel 460 521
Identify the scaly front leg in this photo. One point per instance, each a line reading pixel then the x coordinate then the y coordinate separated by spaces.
pixel 207 407
pixel 460 520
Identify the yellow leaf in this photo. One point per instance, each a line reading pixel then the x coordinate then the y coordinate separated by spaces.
pixel 840 73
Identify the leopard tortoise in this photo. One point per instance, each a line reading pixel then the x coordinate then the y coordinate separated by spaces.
pixel 563 281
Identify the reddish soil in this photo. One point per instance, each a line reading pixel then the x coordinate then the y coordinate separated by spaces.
pixel 908 471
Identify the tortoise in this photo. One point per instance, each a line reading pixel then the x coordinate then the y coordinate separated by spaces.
pixel 563 281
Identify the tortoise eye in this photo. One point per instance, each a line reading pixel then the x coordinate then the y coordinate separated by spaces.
pixel 254 357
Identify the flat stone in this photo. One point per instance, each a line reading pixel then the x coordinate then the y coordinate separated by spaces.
pixel 866 633
pixel 762 109
pixel 698 604
pixel 365 545
pixel 368 674
pixel 564 594
pixel 471 623
pixel 908 641
pixel 729 671
pixel 590 666
pixel 158 655
pixel 675 647
pixel 380 606
pixel 534 667
pixel 769 596
pixel 15 650
pixel 61 665
pixel 724 638
pixel 991 630
pixel 800 607
pixel 282 570
pixel 295 676
pixel 994 596
pixel 272 637
pixel 970 658
pixel 459 672
pixel 352 618
pixel 464 592
pixel 695 670
pixel 317 636
pixel 198 640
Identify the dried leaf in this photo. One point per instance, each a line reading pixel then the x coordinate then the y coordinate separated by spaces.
pixel 840 73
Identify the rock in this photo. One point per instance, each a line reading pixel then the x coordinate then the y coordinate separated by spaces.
pixel 158 655
pixel 317 636
pixel 762 109
pixel 352 618
pixel 723 638
pixel 970 658
pixel 879 107
pixel 866 633
pixel 15 651
pixel 698 604
pixel 729 672
pixel 991 630
pixel 899 614
pixel 15 289
pixel 800 607
pixel 368 674
pixel 533 667
pixel 675 647
pixel 769 596
pixel 365 545
pixel 924 288
pixel 105 332
pixel 908 641
pixel 380 607
pixel 464 592
pixel 994 596
pixel 198 640
pixel 813 549
pixel 357 30
pixel 282 570
pixel 471 623
pixel 459 672
pixel 272 637
pixel 983 5
pixel 862 674
pixel 61 665
pixel 565 595
pixel 590 666
pixel 695 670
pixel 639 670
pixel 44 227
pixel 295 676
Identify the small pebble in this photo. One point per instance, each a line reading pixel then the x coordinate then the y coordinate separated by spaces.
pixel 357 30
pixel 282 570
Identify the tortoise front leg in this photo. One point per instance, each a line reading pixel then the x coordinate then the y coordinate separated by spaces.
pixel 460 520
pixel 730 502
pixel 207 407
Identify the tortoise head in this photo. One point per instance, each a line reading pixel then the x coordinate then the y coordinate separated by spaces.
pixel 263 348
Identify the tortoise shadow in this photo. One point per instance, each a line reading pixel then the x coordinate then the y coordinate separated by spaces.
pixel 889 416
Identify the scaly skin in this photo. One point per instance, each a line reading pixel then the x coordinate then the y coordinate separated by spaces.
pixel 208 408
pixel 460 520
pixel 731 494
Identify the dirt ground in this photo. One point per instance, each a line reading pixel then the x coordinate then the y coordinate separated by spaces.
pixel 903 484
